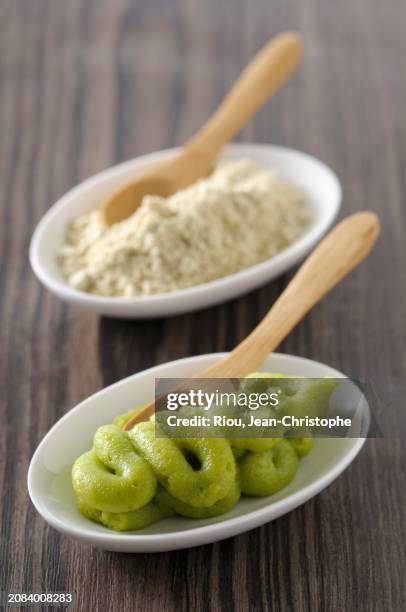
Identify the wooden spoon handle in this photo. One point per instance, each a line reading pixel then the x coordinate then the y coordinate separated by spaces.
pixel 338 253
pixel 260 79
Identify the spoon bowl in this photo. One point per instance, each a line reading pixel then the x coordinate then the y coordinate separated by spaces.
pixel 49 473
pixel 322 195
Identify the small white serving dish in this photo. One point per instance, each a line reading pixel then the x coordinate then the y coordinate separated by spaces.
pixel 51 491
pixel 322 193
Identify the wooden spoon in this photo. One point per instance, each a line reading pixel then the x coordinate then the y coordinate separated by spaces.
pixel 338 253
pixel 262 77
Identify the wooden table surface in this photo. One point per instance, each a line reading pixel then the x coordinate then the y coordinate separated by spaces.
pixel 85 84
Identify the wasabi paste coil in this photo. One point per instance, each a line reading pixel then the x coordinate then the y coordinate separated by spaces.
pixel 113 477
pixel 200 487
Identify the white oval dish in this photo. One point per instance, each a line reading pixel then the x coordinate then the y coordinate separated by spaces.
pixel 322 193
pixel 51 491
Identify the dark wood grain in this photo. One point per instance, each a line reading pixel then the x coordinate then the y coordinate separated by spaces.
pixel 87 83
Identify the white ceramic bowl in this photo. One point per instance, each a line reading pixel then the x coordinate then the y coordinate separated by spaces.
pixel 51 491
pixel 323 196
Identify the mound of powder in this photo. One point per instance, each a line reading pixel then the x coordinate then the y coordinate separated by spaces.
pixel 239 216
